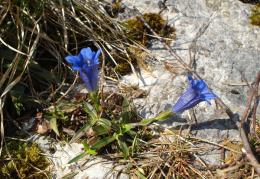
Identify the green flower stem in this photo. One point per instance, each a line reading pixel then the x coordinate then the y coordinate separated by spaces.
pixel 95 97
pixel 165 115
pixel 161 117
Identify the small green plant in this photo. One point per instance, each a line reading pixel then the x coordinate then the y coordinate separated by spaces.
pixel 18 105
pixel 255 16
pixel 26 161
pixel 56 114
pixel 110 130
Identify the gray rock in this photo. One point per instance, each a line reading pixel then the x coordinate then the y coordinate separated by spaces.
pixel 222 43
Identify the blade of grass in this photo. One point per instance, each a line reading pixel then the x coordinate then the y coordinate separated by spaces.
pixel 102 143
pixel 82 131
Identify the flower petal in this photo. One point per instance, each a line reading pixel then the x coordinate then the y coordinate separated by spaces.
pixel 196 93
pixel 78 64
pixel 86 78
pixel 96 57
pixel 87 54
pixel 209 96
pixel 86 62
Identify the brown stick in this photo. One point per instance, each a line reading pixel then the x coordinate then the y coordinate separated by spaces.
pixel 248 106
pixel 255 101
pixel 249 153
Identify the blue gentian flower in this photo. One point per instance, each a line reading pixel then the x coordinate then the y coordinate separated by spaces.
pixel 86 62
pixel 196 93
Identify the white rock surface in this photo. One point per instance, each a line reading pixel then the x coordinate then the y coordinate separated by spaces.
pixel 91 167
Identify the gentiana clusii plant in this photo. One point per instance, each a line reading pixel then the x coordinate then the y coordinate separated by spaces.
pixel 86 62
pixel 196 93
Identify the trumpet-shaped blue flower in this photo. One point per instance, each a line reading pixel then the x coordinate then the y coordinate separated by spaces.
pixel 86 62
pixel 196 93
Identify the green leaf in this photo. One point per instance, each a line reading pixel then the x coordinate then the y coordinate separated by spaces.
pixel 78 157
pixel 71 175
pixel 92 152
pixel 85 145
pixel 116 136
pixel 40 73
pixel 102 143
pixel 25 99
pixel 90 110
pixel 100 130
pixel 53 123
pixel 104 121
pixel 165 115
pixel 133 145
pixel 126 128
pixel 61 113
pixel 82 131
pixel 126 118
pixel 124 148
pixel 126 113
pixel 145 122
pixel 95 97
pixel 126 106
pixel 140 175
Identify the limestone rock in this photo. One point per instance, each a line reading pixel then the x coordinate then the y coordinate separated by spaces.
pixel 222 43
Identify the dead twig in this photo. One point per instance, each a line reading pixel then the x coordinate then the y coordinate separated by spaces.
pixel 247 149
pixel 255 101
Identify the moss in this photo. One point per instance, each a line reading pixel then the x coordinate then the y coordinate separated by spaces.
pixel 139 32
pixel 122 59
pixel 26 158
pixel 232 156
pixel 255 16
pixel 147 135
pixel 114 8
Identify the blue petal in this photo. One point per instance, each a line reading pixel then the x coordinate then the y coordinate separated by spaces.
pixel 96 57
pixel 86 62
pixel 86 78
pixel 205 91
pixel 184 100
pixel 196 93
pixel 78 64
pixel 94 77
pixel 190 78
pixel 87 55
pixel 71 59
pixel 209 96
pixel 201 85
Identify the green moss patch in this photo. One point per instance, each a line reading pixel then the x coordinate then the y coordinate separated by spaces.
pixel 26 161
pixel 139 32
pixel 255 16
